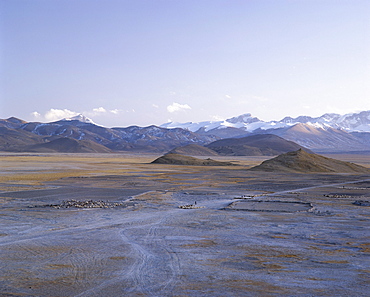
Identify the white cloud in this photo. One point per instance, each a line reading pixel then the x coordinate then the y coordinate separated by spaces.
pixel 228 96
pixel 55 114
pixel 217 118
pixel 58 114
pixel 36 115
pixel 100 110
pixel 177 107
pixel 155 105
pixel 115 111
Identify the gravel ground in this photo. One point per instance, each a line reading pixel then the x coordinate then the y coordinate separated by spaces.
pixel 151 247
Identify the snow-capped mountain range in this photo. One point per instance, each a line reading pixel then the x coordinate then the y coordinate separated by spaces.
pixel 352 122
pixel 328 133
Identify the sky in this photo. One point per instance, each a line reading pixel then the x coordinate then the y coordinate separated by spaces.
pixel 143 62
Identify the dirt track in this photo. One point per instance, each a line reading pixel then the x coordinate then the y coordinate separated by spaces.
pixel 153 248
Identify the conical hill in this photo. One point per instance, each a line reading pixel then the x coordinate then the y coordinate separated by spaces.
pixel 301 161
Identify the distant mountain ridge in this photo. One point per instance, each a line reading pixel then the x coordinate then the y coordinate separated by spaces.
pixel 351 122
pixel 19 135
pixel 322 139
pixel 254 145
pixel 328 133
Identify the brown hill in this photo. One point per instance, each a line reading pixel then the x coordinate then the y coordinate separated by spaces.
pixel 14 140
pixel 68 145
pixel 255 145
pixel 193 150
pixel 12 123
pixel 177 159
pixel 301 161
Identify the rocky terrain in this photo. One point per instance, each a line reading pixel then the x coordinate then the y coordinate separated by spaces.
pixel 83 204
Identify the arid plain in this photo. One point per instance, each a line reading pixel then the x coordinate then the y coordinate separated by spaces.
pixel 246 233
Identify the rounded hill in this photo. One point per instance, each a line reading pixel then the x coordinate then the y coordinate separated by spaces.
pixel 177 159
pixel 303 162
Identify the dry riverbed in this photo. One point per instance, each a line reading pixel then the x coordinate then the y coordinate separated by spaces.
pixel 112 225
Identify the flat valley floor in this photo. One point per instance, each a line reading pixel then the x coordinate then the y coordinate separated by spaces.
pixel 240 233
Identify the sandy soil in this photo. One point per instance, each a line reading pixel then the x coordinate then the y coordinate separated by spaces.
pixel 151 247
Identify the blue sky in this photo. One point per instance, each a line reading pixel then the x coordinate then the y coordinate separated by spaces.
pixel 147 62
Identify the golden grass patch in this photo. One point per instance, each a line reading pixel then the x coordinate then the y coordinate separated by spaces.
pixel 118 258
pixel 256 287
pixel 58 266
pixel 200 243
pixel 38 178
pixel 334 262
pixel 331 251
pixel 365 248
pixel 154 196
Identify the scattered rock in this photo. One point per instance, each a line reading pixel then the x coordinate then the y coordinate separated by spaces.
pixel 84 204
pixel 338 196
pixel 270 206
pixel 361 203
pixel 190 206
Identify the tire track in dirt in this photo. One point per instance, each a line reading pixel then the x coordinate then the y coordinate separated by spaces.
pixel 157 266
pixel 317 186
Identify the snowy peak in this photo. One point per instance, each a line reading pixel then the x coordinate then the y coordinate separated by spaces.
pixel 351 122
pixel 193 127
pixel 81 118
pixel 244 118
pixel 244 121
pixel 359 122
pixel 305 128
